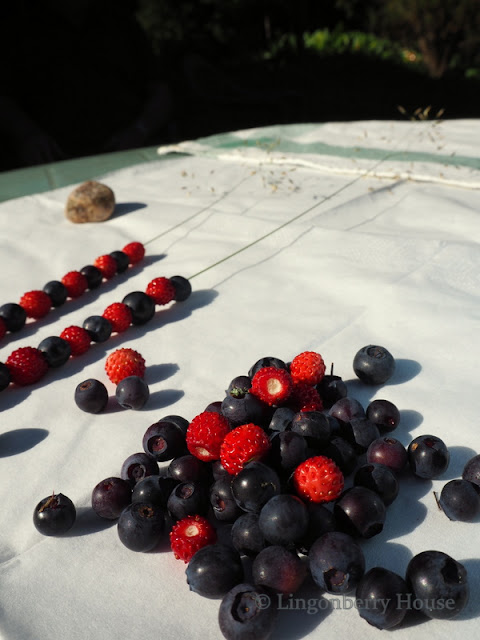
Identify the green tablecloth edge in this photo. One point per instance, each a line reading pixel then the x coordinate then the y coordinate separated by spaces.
pixel 38 179
pixel 27 181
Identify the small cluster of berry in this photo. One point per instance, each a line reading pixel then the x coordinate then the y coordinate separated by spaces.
pixel 27 365
pixel 37 303
pixel 124 367
pixel 271 464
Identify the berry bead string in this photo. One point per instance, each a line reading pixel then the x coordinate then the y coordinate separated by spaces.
pixel 79 338
pixel 38 303
pixel 28 365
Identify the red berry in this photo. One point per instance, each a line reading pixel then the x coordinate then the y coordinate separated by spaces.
pixel 190 534
pixel 123 363
pixel 308 367
pixel 272 385
pixel 75 283
pixel 78 338
pixel 318 479
pixel 205 434
pixel 107 265
pixel 161 290
pixel 305 398
pixel 119 315
pixel 242 445
pixel 36 303
pixel 26 365
pixel 135 251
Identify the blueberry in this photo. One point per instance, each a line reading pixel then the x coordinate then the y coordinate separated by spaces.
pixel 242 410
pixel 218 470
pixel 239 386
pixel 110 497
pixel 138 466
pixel 247 612
pixel 140 526
pixel 279 569
pixel 13 315
pixel 336 562
pixel 121 259
pixel 246 535
pixel 281 419
pixel 460 500
pixel 360 512
pixel 471 470
pixel 141 305
pixel 382 598
pixel 98 327
pixel 283 519
pixel 154 490
pixel 182 286
pixel 93 275
pixel 189 468
pixel 346 409
pixel 132 393
pixel 439 584
pixel 373 364
pixel 214 570
pixel 254 485
pixel 91 396
pixel 5 377
pixel 360 432
pixel 287 450
pixel 331 389
pixel 178 421
pixel 320 520
pixel 313 426
pixel 57 292
pixel 54 515
pixel 164 440
pixel 215 406
pixel 428 456
pixel 342 453
pixel 378 478
pixel 267 361
pixel 55 350
pixel 188 499
pixel 388 451
pixel 223 504
pixel 384 414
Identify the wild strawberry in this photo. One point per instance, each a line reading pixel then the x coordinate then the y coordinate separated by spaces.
pixel 78 338
pixel 205 434
pixel 242 445
pixel 123 363
pixel 305 398
pixel 36 303
pixel 190 534
pixel 75 283
pixel 107 265
pixel 161 290
pixel 119 315
pixel 318 479
pixel 272 385
pixel 26 365
pixel 135 251
pixel 307 367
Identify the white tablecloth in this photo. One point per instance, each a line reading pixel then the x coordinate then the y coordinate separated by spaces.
pixel 311 237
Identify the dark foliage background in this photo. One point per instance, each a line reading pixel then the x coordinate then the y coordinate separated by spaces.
pixel 277 61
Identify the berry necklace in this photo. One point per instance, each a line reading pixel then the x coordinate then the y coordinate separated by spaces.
pixel 27 365
pixel 37 303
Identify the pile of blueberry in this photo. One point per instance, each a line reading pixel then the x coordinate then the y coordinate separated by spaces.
pixel 311 485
